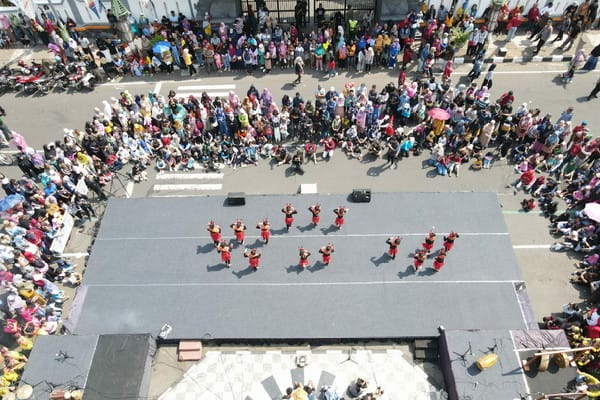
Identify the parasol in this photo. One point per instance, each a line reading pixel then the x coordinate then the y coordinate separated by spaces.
pixel 439 113
pixel 10 201
pixel 592 210
pixel 160 47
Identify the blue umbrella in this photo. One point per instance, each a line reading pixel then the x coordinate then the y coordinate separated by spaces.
pixel 10 201
pixel 160 47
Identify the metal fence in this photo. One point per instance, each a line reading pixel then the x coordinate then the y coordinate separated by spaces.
pixel 283 10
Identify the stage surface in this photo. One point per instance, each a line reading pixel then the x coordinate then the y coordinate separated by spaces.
pixel 153 263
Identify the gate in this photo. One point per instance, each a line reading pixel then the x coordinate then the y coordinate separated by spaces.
pixel 360 7
pixel 282 10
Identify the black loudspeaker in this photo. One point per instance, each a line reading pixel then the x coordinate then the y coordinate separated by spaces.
pixel 236 199
pixel 361 195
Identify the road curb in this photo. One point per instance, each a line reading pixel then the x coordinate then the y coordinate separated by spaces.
pixel 514 60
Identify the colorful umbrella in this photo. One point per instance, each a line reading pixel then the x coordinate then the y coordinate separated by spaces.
pixel 160 47
pixel 10 201
pixel 439 113
pixel 592 210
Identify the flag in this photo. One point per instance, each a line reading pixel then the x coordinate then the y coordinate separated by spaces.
pixel 118 8
pixel 26 6
pixel 92 6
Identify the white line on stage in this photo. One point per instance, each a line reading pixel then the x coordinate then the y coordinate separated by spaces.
pixel 351 283
pixel 285 236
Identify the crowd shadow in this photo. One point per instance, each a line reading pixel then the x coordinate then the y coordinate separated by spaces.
pixel 257 243
pixel 306 228
pixel 279 231
pixel 427 271
pixel 409 271
pixel 376 170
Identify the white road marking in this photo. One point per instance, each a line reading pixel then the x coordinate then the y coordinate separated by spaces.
pixel 531 246
pixel 284 284
pixel 129 189
pixel 188 176
pixel 157 88
pixel 199 94
pixel 189 186
pixel 286 236
pixel 205 87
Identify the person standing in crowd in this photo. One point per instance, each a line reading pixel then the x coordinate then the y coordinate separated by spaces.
pixel 429 242
pixel 265 229
pixel 543 36
pixel 299 69
pixel 440 260
pixel 594 93
pixel 326 252
pixel 239 230
pixel 393 243
pixel 188 60
pixel 303 254
pixel 419 258
pixel 224 249
pixel 339 212
pixel 288 211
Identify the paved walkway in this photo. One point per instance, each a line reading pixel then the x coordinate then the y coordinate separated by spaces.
pixel 266 375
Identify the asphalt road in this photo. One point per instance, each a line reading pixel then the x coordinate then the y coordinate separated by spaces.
pixel 42 119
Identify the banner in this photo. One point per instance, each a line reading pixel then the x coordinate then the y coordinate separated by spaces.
pixel 118 8
pixel 26 6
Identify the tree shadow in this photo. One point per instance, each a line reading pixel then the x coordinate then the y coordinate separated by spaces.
pixel 330 229
pixel 215 268
pixel 205 249
pixel 384 258
pixel 410 270
pixel 294 268
pixel 240 274
pixel 307 227
pixel 318 266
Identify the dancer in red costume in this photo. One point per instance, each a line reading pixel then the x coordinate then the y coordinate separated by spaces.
pixel 215 232
pixel 449 240
pixel 265 229
pixel 326 252
pixel 225 250
pixel 315 210
pixel 239 230
pixel 419 259
pixel 253 258
pixel 289 212
pixel 304 254
pixel 429 242
pixel 394 243
pixel 339 216
pixel 439 260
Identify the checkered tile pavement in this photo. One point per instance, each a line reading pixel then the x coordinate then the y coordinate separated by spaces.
pixel 246 375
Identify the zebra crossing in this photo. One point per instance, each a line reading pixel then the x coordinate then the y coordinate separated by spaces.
pixel 183 183
pixel 212 90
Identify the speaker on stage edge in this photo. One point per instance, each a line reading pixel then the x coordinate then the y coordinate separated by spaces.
pixel 361 195
pixel 236 199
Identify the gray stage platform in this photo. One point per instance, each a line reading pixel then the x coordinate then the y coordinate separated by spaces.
pixel 154 263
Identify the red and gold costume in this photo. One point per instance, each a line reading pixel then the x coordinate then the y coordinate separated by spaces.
pixel 225 250
pixel 439 260
pixel 239 230
pixel 339 216
pixel 449 240
pixel 289 212
pixel 394 243
pixel 215 232
pixel 303 254
pixel 419 259
pixel 265 230
pixel 315 210
pixel 253 258
pixel 326 252
pixel 429 241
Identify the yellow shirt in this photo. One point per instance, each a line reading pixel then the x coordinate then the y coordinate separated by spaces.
pixel 187 59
